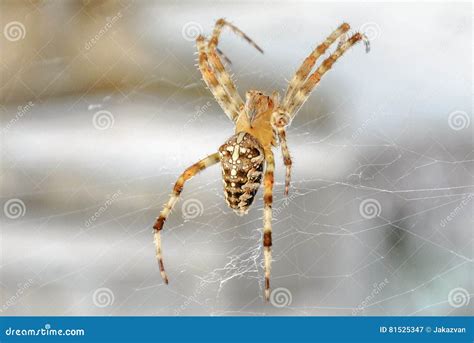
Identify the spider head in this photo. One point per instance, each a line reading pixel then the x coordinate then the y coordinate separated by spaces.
pixel 257 103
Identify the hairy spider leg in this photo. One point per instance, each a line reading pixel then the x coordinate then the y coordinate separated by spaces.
pixel 303 93
pixel 267 218
pixel 303 71
pixel 178 187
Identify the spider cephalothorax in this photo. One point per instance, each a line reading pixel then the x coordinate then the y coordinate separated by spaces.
pixel 246 157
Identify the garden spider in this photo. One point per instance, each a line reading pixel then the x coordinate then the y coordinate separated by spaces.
pixel 258 122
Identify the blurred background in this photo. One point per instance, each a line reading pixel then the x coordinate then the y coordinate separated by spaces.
pixel 102 107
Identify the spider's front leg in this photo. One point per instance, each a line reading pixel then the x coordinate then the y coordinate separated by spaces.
pixel 302 83
pixel 267 218
pixel 279 121
pixel 178 187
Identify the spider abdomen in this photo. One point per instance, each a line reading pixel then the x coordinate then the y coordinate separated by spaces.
pixel 241 159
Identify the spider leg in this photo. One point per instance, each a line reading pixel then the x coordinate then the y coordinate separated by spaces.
pixel 214 71
pixel 178 187
pixel 302 73
pixel 267 219
pixel 302 94
pixel 286 157
pixel 231 106
pixel 221 23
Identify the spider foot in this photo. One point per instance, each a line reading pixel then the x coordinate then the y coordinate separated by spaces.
pixel 164 277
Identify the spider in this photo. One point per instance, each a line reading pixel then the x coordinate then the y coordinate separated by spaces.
pixel 247 157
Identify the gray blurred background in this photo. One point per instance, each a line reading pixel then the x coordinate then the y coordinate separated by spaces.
pixel 102 108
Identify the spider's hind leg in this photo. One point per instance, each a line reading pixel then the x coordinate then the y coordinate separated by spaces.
pixel 267 219
pixel 178 187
